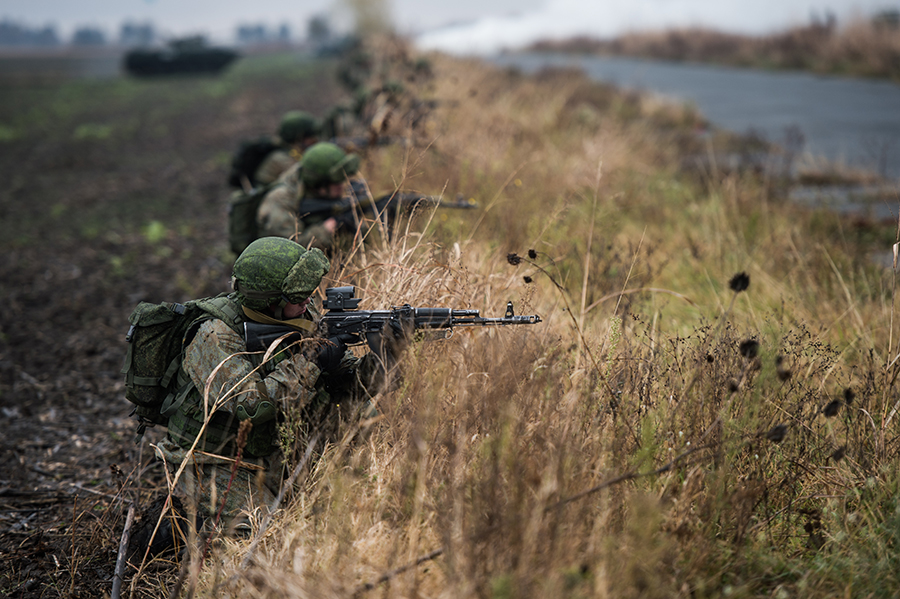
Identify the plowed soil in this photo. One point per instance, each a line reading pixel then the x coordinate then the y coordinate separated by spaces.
pixel 111 191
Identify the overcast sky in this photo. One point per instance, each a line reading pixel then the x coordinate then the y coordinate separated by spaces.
pixel 477 25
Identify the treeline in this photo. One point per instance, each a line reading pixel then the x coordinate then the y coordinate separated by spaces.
pixel 864 48
pixel 13 34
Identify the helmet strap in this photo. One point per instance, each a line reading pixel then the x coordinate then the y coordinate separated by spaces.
pixel 261 295
pixel 301 324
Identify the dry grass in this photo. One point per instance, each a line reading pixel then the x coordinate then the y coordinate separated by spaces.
pixel 861 48
pixel 662 433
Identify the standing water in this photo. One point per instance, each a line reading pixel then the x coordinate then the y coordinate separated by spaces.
pixel 854 122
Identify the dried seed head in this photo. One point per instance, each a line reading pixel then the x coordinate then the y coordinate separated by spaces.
pixel 243 431
pixel 849 396
pixel 514 259
pixel 832 409
pixel 776 433
pixel 527 279
pixel 839 453
pixel 739 282
pixel 532 254
pixel 710 359
pixel 749 348
pixel 780 371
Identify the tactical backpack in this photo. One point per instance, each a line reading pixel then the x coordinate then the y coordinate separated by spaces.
pixel 155 382
pixel 242 209
pixel 249 156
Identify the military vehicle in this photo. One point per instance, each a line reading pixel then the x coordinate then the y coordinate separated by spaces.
pixel 185 56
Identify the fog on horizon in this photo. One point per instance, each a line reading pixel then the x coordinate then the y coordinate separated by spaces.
pixel 464 26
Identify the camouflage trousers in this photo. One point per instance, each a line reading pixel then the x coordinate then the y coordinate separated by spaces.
pixel 212 483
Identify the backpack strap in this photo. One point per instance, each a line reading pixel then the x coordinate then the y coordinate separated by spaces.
pixel 221 307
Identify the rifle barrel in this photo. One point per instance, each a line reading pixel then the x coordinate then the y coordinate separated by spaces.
pixel 506 320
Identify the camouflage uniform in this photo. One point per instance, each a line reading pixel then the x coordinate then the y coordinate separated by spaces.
pixel 291 382
pixel 241 387
pixel 277 215
pixel 274 165
pixel 297 130
pixel 278 212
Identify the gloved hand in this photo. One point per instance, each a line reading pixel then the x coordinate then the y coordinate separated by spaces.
pixel 393 339
pixel 329 354
pixel 397 335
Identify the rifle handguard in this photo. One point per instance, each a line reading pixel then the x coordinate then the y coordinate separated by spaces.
pixel 348 325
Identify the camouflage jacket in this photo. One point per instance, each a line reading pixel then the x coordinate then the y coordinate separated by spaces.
pixel 277 215
pixel 232 385
pixel 274 165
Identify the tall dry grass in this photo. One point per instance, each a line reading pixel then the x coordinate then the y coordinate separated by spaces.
pixel 859 47
pixel 669 429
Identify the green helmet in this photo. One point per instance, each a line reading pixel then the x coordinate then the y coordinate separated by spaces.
pixel 297 125
pixel 275 270
pixel 325 163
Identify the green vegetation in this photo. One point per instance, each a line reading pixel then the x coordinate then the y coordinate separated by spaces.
pixel 119 134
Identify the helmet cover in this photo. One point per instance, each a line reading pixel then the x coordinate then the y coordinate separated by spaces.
pixel 325 163
pixel 274 269
pixel 297 125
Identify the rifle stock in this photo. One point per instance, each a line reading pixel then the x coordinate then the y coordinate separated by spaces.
pixel 353 326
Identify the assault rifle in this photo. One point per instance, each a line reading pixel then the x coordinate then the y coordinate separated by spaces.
pixel 385 207
pixel 352 326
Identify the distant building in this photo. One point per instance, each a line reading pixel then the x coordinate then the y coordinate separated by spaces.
pixel 318 30
pixel 88 36
pixel 258 34
pixel 14 34
pixel 251 34
pixel 284 33
pixel 137 34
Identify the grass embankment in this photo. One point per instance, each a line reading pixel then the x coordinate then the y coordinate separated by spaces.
pixel 860 48
pixel 664 432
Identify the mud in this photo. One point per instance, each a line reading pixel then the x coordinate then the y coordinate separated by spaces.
pixel 103 202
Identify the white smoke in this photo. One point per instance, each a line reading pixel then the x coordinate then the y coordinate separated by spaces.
pixel 560 19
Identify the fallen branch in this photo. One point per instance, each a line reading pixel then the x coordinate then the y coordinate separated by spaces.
pixel 123 552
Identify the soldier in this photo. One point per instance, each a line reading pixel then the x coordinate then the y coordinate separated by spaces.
pixel 367 114
pixel 322 173
pixel 273 280
pixel 263 161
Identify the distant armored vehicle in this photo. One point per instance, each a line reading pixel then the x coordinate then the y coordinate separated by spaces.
pixel 183 56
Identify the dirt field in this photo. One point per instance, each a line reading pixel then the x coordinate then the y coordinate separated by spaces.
pixel 112 192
